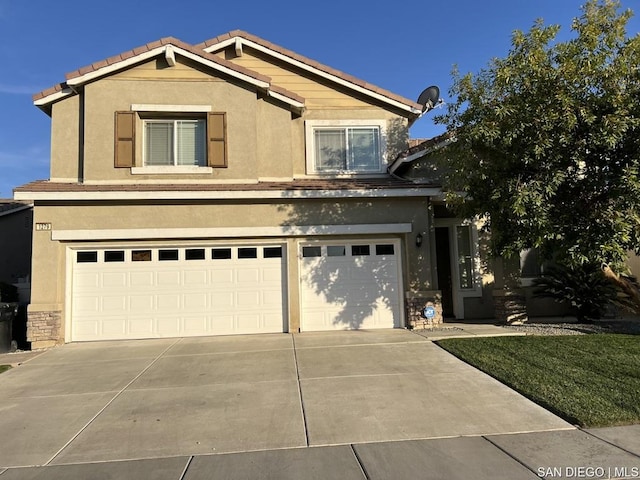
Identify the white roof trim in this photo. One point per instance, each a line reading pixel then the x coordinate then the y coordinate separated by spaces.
pixel 87 77
pixel 285 99
pixel 419 154
pixel 15 210
pixel 229 194
pixel 114 67
pixel 315 71
pixel 53 97
pixel 230 232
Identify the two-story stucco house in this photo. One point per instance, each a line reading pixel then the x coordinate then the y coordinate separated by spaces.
pixel 228 187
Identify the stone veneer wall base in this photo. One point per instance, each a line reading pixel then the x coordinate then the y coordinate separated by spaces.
pixel 510 307
pixel 416 303
pixel 43 329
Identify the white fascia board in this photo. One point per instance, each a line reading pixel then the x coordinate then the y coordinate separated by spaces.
pixel 53 97
pixel 316 71
pixel 114 67
pixel 410 158
pixel 285 99
pixel 15 210
pixel 158 51
pixel 229 195
pixel 220 68
pixel 230 232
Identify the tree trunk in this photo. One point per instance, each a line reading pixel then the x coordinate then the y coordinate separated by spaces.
pixel 625 285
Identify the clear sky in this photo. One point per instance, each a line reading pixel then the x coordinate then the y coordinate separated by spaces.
pixel 402 46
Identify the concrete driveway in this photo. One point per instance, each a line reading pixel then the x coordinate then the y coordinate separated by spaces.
pixel 173 399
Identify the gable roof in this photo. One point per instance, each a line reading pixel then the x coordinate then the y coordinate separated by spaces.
pixel 238 38
pixel 168 47
pixel 203 53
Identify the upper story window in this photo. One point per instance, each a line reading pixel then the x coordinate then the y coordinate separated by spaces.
pixel 175 142
pixel 157 139
pixel 344 147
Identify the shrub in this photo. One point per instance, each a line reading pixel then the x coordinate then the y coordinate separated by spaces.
pixel 585 288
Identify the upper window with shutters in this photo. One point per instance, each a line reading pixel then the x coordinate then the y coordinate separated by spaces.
pixel 151 141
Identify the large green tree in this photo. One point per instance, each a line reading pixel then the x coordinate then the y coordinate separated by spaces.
pixel 548 141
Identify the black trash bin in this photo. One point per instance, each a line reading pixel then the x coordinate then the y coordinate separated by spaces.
pixel 8 311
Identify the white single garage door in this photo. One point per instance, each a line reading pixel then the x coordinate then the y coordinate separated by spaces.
pixel 353 285
pixel 131 293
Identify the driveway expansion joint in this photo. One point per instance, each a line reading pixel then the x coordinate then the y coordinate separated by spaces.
pixel 109 403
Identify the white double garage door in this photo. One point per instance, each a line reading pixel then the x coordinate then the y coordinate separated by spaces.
pixel 168 291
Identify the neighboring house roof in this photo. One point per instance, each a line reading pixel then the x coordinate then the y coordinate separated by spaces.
pixel 326 188
pixel 9 206
pixel 420 150
pixel 201 53
pixel 240 37
pixel 168 47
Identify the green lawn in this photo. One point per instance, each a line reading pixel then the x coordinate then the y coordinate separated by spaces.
pixel 589 380
pixel 4 368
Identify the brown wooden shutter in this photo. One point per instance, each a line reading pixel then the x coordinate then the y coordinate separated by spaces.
pixel 125 151
pixel 217 140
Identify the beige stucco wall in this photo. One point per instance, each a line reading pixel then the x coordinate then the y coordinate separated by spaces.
pixel 65 138
pixel 105 97
pixel 265 139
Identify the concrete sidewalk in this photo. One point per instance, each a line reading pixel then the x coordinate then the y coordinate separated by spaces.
pixel 595 454
pixel 366 404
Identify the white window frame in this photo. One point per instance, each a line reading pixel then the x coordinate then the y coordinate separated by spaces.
pixel 191 111
pixel 312 125
pixel 175 122
pixel 459 293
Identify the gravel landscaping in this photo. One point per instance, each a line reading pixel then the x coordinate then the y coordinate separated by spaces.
pixel 624 326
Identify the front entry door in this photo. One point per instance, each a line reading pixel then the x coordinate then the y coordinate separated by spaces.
pixel 443 264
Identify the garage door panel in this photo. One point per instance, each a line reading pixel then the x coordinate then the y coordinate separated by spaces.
pixel 178 296
pixel 349 286
pixel 114 304
pixel 114 279
pixel 87 328
pixel 142 326
pixel 195 278
pixel 87 304
pixel 222 276
pixel 140 279
pixel 140 303
pixel 115 326
pixel 197 301
pixel 222 299
pixel 169 278
pixel 87 281
pixel 195 324
pixel 167 326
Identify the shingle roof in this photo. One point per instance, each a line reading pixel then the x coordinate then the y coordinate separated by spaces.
pixel 308 61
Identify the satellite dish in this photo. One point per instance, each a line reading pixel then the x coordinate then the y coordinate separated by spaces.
pixel 429 97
